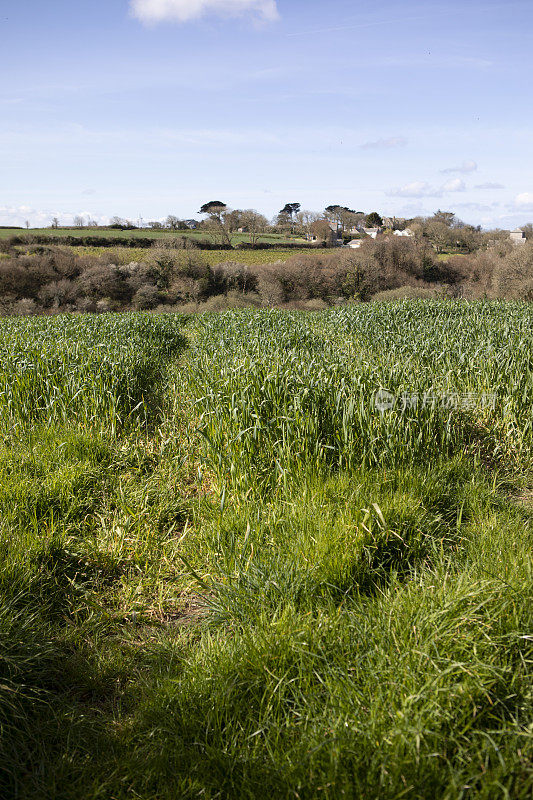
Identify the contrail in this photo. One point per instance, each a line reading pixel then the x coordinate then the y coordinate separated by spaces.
pixel 354 27
pixel 426 16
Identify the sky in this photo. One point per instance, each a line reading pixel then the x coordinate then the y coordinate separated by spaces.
pixel 143 108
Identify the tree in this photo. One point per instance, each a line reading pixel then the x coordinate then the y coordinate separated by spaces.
pixel 214 207
pixel 528 230
pixel 439 234
pixel 27 224
pixel 374 220
pixel 171 222
pixel 304 221
pixel 290 209
pixel 254 223
pixel 218 221
pixel 282 221
pixel 78 222
pixel 321 228
pixel 343 216
pixel 447 218
pixel 55 222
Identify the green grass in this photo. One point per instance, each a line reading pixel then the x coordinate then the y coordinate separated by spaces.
pixel 232 576
pixel 135 233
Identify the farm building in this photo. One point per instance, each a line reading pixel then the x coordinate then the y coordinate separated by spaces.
pixel 518 236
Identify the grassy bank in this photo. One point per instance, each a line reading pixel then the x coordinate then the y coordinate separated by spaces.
pixel 228 573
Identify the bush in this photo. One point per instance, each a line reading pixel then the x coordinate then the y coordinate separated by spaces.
pixel 146 297
pixel 409 293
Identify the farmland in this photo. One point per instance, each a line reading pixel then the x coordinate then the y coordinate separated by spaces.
pixel 268 553
pixel 137 233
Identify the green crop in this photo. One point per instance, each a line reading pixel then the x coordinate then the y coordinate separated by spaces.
pixel 91 369
pixel 279 391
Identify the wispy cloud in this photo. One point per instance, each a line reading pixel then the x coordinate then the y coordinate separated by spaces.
pixel 465 168
pixel 489 186
pixel 358 26
pixel 153 11
pixel 385 144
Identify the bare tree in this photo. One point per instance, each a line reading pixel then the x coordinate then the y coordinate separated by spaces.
pixel 172 222
pixel 117 222
pixel 304 221
pixel 255 224
pixel 55 222
pixel 78 222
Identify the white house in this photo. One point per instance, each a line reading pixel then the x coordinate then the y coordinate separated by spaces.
pixel 518 236
pixel 372 232
pixel 407 233
pixel 355 244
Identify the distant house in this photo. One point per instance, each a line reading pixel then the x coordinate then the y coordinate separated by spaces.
pixel 355 244
pixel 518 236
pixel 372 232
pixel 191 223
pixel 335 238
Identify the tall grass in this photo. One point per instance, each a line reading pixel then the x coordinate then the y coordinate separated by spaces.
pixel 278 391
pixel 93 369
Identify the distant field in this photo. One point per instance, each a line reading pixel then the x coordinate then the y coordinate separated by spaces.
pixel 140 234
pixel 125 255
pixel 446 256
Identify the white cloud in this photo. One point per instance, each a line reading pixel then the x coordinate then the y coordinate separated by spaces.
pixel 152 11
pixel 424 189
pixel 524 199
pixel 385 144
pixel 17 216
pixel 415 189
pixel 454 185
pixel 464 168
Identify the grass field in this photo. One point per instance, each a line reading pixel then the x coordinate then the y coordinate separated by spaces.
pixel 142 233
pixel 231 570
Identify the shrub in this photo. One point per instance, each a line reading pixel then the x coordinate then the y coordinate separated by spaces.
pixel 108 282
pixel 409 293
pixel 146 297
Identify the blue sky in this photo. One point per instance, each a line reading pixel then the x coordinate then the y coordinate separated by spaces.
pixel 153 107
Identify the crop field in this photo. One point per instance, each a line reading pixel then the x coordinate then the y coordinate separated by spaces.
pixel 268 554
